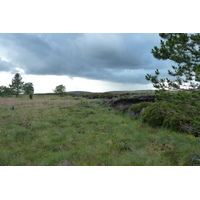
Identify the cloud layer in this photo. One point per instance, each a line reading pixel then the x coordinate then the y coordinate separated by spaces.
pixel 123 58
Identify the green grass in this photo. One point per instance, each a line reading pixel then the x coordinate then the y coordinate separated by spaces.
pixel 86 134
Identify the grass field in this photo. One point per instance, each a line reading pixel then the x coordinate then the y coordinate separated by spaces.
pixel 52 130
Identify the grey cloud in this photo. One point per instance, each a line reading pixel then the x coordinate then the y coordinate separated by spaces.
pixel 5 65
pixel 111 57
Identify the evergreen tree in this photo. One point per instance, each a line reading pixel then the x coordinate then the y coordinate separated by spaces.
pixel 17 84
pixel 184 49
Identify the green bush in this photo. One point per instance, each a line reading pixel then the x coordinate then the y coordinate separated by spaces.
pixel 173 116
pixel 164 114
pixel 155 114
pixel 136 109
pixel 31 96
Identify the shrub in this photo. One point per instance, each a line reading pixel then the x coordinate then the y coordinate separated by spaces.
pixel 155 114
pixel 136 109
pixel 173 116
pixel 31 96
pixel 174 120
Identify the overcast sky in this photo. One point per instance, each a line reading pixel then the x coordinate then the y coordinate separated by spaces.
pixel 90 62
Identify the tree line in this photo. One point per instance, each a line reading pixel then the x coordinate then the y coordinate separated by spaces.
pixel 17 87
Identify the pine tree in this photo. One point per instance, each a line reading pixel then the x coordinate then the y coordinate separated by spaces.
pixel 184 49
pixel 17 84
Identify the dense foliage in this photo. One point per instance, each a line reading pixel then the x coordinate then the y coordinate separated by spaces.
pixel 178 111
pixel 137 109
pixel 183 49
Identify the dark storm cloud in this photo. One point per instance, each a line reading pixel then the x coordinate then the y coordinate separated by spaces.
pixel 111 57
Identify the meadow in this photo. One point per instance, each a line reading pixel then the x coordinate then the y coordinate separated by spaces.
pixel 51 130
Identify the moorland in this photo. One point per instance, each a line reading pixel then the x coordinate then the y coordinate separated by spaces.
pixel 88 130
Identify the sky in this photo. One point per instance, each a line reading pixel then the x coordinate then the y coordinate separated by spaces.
pixel 95 62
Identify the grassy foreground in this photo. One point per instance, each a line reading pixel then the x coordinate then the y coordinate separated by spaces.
pixel 75 131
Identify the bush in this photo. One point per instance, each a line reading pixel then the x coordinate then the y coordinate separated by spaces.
pixel 155 114
pixel 173 116
pixel 31 96
pixel 136 109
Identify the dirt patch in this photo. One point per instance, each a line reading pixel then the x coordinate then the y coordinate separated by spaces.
pixel 124 104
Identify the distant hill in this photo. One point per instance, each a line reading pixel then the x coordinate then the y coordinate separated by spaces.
pixel 130 91
pixel 78 92
pixel 95 92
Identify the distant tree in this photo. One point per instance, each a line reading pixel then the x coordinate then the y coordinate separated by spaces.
pixel 17 84
pixel 5 91
pixel 183 49
pixel 28 88
pixel 60 89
